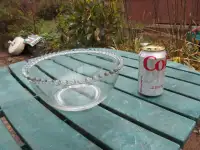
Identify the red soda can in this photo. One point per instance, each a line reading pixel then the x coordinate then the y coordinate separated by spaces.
pixel 151 73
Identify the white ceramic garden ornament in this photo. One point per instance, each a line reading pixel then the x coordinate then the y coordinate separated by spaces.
pixel 16 46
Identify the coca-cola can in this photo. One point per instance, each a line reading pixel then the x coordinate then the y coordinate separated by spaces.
pixel 151 73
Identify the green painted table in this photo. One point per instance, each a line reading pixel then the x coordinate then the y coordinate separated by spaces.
pixel 125 120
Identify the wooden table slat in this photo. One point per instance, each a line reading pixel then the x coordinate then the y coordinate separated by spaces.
pixel 6 140
pixel 173 85
pixel 169 100
pixel 173 73
pixel 170 64
pixel 38 126
pixel 182 104
pixel 118 132
pixel 110 128
pixel 123 103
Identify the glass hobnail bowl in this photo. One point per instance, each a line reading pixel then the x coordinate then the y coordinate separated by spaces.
pixel 74 80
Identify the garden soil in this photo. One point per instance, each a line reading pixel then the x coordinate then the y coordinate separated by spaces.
pixel 6 59
pixel 193 142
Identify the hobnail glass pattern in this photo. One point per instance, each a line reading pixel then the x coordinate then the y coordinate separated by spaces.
pixel 30 64
pixel 80 87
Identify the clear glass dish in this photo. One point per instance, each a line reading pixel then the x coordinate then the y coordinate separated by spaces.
pixel 74 80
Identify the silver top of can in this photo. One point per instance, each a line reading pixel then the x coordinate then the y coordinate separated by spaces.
pixel 153 48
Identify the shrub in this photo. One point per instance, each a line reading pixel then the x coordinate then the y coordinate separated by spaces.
pixel 89 23
pixel 48 13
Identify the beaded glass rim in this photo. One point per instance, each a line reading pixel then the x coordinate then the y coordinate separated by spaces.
pixel 97 77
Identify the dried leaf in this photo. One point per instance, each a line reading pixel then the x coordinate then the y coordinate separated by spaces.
pixel 89 36
pixel 97 34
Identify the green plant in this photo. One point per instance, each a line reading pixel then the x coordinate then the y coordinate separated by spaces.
pixel 4 14
pixel 53 40
pixel 25 29
pixel 89 23
pixel 48 9
pixel 24 16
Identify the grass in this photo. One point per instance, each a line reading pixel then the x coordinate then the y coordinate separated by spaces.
pixel 48 26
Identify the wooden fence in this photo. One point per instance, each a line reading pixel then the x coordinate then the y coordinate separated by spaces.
pixel 163 11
